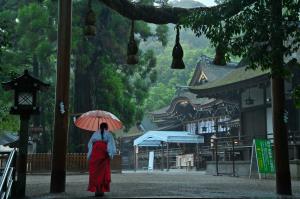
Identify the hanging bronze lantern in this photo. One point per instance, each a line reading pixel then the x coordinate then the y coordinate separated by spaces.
pixel 177 62
pixel 132 48
pixel 90 22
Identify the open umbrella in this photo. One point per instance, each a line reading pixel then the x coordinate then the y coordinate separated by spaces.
pixel 91 120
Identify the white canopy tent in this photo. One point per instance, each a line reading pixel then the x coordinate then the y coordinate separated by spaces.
pixel 158 138
pixel 155 138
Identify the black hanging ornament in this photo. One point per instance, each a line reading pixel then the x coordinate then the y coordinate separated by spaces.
pixel 177 62
pixel 132 48
pixel 90 21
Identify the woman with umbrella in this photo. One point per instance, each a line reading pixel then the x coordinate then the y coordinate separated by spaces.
pixel 101 148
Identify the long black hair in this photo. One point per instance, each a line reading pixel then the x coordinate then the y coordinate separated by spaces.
pixel 103 126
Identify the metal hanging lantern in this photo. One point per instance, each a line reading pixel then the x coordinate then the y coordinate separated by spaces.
pixel 177 62
pixel 90 21
pixel 132 48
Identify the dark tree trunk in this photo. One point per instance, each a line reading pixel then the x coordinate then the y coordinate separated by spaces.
pixel 220 56
pixel 82 103
pixel 85 97
pixel 283 177
pixel 43 142
pixel 36 73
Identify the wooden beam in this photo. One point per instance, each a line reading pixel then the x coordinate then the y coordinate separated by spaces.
pixel 165 15
pixel 168 156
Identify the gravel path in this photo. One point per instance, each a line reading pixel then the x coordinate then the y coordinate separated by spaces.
pixel 160 185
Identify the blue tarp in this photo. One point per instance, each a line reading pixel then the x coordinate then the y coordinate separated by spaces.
pixel 155 138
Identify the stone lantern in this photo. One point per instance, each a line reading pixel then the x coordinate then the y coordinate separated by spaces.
pixel 25 89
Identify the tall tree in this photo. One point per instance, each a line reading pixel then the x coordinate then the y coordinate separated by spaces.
pixel 35 30
pixel 32 36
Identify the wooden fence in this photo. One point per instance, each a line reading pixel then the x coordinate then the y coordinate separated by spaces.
pixel 76 162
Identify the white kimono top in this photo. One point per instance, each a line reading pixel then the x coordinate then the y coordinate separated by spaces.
pixel 108 138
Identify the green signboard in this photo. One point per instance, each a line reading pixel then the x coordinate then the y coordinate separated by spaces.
pixel 264 156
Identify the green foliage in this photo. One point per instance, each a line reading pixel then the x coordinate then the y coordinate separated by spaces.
pixel 162 92
pixel 244 36
pixel 32 36
pixel 7 122
pixel 296 95
pixel 7 70
pixel 160 96
pixel 161 33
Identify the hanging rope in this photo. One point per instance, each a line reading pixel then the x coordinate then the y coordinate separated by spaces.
pixel 177 53
pixel 90 21
pixel 177 34
pixel 132 48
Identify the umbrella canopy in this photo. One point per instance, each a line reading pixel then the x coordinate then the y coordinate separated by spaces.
pixel 91 120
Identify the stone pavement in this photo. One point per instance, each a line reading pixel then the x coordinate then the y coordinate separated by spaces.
pixel 182 184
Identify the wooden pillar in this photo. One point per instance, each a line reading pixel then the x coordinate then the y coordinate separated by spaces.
pixel 137 157
pixel 197 157
pixel 162 156
pixel 240 114
pixel 283 177
pixel 265 110
pixel 22 156
pixel 134 158
pixel 61 123
pixel 167 156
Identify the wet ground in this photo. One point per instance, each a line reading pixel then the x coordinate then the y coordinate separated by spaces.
pixel 160 184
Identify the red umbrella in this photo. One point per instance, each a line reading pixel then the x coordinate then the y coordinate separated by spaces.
pixel 91 120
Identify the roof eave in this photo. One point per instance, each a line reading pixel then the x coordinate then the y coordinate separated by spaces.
pixel 212 91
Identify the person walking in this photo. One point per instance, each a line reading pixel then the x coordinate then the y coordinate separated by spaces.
pixel 101 149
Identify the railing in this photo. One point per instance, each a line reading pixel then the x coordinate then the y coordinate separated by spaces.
pixel 75 162
pixel 294 138
pixel 41 162
pixel 8 176
pixel 143 156
pixel 227 148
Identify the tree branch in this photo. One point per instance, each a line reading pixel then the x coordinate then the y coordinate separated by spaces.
pixel 173 15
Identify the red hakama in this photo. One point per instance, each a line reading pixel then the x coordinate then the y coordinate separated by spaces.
pixel 99 168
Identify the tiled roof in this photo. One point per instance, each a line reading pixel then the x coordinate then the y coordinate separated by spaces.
pixel 237 76
pixel 211 71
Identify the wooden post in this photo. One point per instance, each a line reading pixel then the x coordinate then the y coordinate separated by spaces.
pixel 137 157
pixel 283 177
pixel 162 156
pixel 167 156
pixel 216 155
pixel 233 158
pixel 22 156
pixel 197 157
pixel 134 158
pixel 61 123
